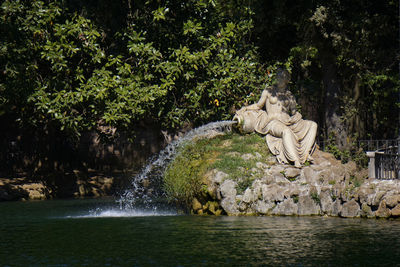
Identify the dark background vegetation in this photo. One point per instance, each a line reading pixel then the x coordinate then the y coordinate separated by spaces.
pixel 80 79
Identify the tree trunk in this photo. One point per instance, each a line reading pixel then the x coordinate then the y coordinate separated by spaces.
pixel 359 117
pixel 332 115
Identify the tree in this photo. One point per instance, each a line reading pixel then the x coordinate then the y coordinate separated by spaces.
pixel 173 64
pixel 343 57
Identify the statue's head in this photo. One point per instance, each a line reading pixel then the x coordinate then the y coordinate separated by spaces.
pixel 282 78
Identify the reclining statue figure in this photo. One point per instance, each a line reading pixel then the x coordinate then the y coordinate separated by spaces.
pixel 290 138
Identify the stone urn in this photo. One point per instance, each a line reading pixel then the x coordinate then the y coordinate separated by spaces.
pixel 247 120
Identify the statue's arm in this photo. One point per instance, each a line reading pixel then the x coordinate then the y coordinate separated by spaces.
pixel 260 104
pixel 295 117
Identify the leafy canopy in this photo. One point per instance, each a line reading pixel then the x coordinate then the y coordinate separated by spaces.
pixel 169 64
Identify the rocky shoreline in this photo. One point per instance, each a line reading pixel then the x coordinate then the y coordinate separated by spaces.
pixel 325 188
pixel 76 184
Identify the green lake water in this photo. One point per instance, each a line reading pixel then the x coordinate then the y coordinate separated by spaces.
pixel 96 233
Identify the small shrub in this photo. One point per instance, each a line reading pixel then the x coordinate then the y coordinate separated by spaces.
pixel 316 198
pixel 354 153
pixel 243 184
pixel 360 158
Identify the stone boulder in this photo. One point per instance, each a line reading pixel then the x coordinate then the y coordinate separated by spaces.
pixel 308 206
pixel 350 209
pixel 383 211
pixel 326 202
pixel 228 194
pixel 286 207
pixel 396 211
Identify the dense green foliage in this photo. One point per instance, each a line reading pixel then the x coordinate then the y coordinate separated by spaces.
pixel 71 66
pixel 185 178
pixel 172 64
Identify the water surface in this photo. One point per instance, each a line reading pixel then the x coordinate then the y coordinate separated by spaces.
pixel 97 233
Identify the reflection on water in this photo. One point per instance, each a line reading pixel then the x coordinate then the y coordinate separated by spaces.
pixel 81 232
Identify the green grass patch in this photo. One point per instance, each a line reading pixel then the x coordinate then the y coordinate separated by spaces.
pixel 355 181
pixel 228 163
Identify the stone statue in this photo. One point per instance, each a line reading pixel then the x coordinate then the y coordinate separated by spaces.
pixel 290 138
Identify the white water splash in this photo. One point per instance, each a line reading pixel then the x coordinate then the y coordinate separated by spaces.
pixel 118 213
pixel 154 170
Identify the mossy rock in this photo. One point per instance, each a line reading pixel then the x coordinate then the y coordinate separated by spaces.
pixel 185 178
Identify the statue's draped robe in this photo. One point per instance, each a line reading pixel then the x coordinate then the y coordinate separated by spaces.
pixel 299 134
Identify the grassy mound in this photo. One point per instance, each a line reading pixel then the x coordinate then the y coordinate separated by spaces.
pixel 234 154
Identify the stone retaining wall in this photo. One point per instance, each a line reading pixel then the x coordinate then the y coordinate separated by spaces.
pixel 326 188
